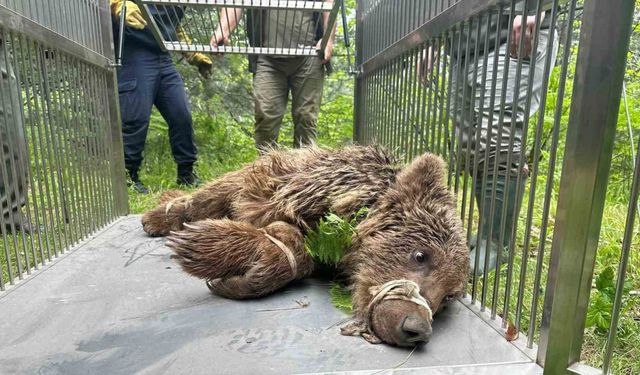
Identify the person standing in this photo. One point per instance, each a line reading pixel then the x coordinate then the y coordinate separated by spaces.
pixel 500 145
pixel 275 76
pixel 148 77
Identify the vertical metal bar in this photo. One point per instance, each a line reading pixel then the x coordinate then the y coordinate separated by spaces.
pixel 514 118
pixel 27 179
pixel 50 140
pixel 102 142
pixel 479 120
pixel 69 111
pixel 521 162
pixel 391 122
pixel 599 74
pixel 106 141
pixel 408 77
pixel 502 106
pixel 87 140
pixel 442 73
pixel 434 93
pixel 448 38
pixel 490 126
pixel 428 137
pixel 622 267
pixel 45 210
pixel 62 108
pixel 464 104
pixel 551 173
pixel 470 148
pixel 382 123
pixel 384 105
pixel 391 95
pixel 78 124
pixel 534 174
pixel 91 135
pixel 457 34
pixel 52 146
pixel 422 94
pixel 14 168
pixel 116 157
pixel 5 173
pixel 38 119
pixel 123 11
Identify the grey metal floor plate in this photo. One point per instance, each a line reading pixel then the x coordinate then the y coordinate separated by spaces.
pixel 120 305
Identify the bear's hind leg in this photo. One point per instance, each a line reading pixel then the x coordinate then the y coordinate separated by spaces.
pixel 239 260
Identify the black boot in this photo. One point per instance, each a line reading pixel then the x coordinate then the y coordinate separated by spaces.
pixel 134 181
pixel 508 201
pixel 186 176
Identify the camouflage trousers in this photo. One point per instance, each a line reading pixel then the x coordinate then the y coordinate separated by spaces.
pixel 477 122
pixel 272 82
pixel 13 170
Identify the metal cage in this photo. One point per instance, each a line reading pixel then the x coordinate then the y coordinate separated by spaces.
pixel 62 166
pixel 254 24
pixel 430 73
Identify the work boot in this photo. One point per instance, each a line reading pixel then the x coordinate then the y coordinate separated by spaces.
pixel 134 181
pixel 504 201
pixel 20 223
pixel 186 176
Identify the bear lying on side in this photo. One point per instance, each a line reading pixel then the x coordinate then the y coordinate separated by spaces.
pixel 244 233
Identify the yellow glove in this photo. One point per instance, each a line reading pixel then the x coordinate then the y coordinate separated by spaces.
pixel 133 18
pixel 200 60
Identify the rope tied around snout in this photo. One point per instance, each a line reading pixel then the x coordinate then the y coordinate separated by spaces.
pixel 405 290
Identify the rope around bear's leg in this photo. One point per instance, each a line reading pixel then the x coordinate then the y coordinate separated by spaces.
pixel 287 252
pixel 293 264
pixel 405 290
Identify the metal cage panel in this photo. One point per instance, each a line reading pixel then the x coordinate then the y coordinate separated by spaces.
pixel 62 172
pixel 449 77
pixel 201 18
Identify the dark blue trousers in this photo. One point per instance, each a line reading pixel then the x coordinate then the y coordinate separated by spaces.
pixel 145 79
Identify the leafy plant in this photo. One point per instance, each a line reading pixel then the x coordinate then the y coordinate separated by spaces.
pixel 329 240
pixel 340 297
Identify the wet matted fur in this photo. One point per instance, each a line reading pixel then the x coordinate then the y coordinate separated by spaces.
pixel 241 231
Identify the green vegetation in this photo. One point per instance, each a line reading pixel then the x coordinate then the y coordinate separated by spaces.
pixel 328 241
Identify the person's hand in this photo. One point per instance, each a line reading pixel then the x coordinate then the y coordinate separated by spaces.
pixel 220 38
pixel 425 67
pixel 528 27
pixel 133 17
pixel 328 51
pixel 204 65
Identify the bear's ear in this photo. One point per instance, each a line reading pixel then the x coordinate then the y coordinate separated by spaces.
pixel 425 174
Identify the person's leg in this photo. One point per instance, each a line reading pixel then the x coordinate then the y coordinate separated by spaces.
pixel 503 151
pixel 270 92
pixel 137 82
pixel 172 102
pixel 306 82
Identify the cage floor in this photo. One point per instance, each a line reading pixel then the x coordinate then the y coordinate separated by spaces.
pixel 119 305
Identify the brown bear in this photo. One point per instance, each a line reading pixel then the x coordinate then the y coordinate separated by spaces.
pixel 243 233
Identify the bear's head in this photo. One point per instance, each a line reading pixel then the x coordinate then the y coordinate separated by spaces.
pixel 408 256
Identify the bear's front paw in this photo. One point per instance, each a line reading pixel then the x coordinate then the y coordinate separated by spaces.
pixel 155 224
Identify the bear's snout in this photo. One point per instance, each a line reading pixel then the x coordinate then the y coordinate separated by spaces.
pixel 414 330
